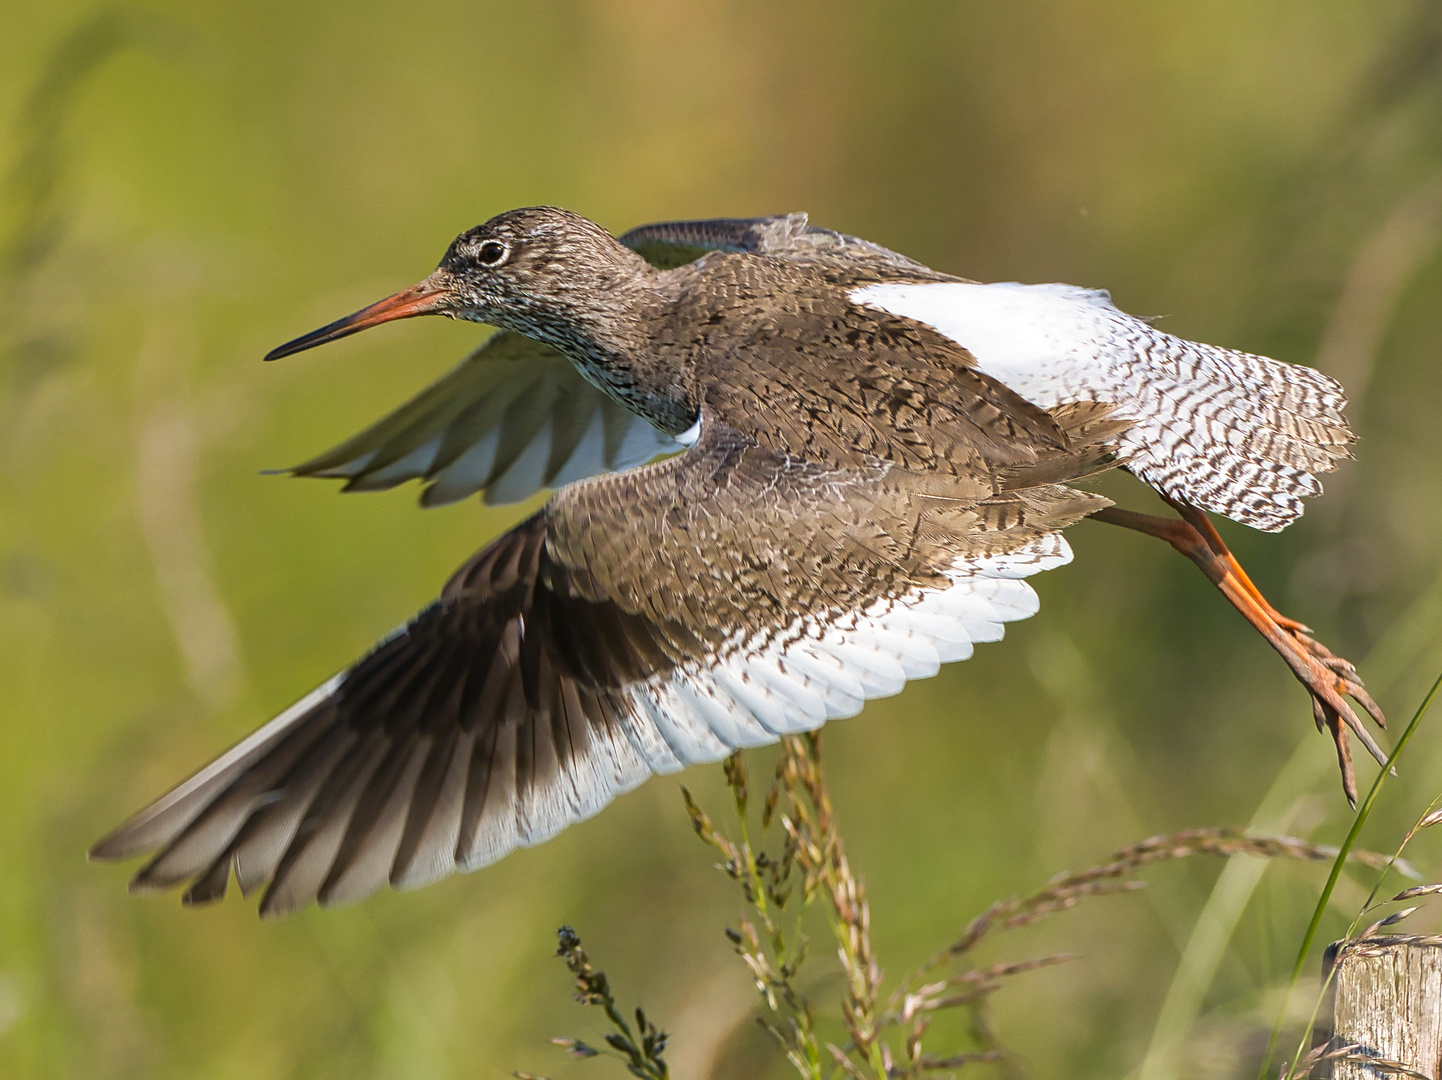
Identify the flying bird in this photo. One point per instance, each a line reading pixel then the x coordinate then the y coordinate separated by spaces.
pixel 792 470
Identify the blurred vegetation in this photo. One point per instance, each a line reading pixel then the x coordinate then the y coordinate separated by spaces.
pixel 187 185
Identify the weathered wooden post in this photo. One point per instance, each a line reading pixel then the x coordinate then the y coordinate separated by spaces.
pixel 1387 1006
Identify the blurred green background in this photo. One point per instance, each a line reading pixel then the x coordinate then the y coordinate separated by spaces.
pixel 189 184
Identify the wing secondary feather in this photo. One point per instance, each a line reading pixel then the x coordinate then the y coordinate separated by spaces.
pixel 516 417
pixel 639 623
pixel 513 418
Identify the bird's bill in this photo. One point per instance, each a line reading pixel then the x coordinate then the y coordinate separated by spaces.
pixel 430 297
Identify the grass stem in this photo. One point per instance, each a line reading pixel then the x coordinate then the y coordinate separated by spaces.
pixel 1362 813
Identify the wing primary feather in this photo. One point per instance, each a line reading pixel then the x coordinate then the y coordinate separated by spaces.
pixel 427 850
pixel 375 838
pixel 263 841
pixel 211 885
pixel 489 827
pixel 308 859
pixel 162 820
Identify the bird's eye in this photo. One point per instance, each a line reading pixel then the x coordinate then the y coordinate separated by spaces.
pixel 492 253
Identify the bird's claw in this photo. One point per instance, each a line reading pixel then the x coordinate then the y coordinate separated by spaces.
pixel 1328 720
pixel 1330 679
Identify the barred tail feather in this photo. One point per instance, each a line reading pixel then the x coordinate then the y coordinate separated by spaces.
pixel 1237 434
pixel 1240 435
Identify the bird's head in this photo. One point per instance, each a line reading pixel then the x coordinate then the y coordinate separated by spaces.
pixel 541 271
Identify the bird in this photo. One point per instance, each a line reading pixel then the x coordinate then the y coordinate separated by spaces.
pixel 790 470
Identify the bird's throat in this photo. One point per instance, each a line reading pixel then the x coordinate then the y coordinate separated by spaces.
pixel 626 360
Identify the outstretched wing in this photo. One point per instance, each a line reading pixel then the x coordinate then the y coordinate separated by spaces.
pixel 669 244
pixel 516 416
pixel 640 622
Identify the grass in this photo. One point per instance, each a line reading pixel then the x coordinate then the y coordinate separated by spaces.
pixel 1396 652
pixel 200 191
pixel 1310 936
pixel 870 1031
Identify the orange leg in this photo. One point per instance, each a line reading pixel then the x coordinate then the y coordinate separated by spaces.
pixel 1326 676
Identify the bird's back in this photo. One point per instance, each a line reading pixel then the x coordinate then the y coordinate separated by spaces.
pixel 782 354
pixel 844 360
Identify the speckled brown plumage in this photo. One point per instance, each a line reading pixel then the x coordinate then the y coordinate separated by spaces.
pixel 859 501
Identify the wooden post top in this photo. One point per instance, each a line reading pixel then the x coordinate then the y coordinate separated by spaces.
pixel 1388 1005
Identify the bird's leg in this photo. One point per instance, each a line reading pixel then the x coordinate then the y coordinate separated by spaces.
pixel 1326 676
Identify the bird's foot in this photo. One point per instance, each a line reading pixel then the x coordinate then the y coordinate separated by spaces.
pixel 1329 678
pixel 1346 682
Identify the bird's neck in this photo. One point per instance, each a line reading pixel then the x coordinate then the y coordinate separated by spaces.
pixel 620 347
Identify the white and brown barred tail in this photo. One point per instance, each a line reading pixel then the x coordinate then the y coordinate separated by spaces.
pixel 1240 435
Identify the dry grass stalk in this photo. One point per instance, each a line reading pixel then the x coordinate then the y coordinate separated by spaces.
pixel 1368 941
pixel 1382 942
pixel 1113 876
pixel 811 870
pixel 773 947
pixel 811 830
pixel 1354 1053
pixel 641 1052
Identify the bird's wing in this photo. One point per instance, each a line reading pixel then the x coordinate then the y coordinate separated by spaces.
pixel 516 416
pixel 640 622
pixel 1237 434
pixel 669 244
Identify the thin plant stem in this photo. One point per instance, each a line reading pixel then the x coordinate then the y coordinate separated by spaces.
pixel 1299 1057
pixel 1392 655
pixel 1362 814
